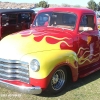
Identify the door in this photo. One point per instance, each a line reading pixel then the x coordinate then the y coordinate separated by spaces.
pixel 88 52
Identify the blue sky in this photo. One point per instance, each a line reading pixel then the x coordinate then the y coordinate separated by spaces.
pixel 59 2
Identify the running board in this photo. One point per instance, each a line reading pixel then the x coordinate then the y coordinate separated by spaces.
pixel 89 70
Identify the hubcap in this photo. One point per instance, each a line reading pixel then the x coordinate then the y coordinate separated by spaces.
pixel 55 78
pixel 58 79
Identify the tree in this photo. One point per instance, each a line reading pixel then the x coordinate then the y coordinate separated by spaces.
pixel 43 4
pixel 65 5
pixel 92 5
pixel 36 5
pixel 77 6
pixel 98 6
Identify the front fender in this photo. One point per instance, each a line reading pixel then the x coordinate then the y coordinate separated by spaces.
pixel 49 60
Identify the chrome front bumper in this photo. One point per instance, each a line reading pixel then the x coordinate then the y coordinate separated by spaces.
pixel 22 89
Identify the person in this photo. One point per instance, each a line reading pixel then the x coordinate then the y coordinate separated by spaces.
pixel 47 21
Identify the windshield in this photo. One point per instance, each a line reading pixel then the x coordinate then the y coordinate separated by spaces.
pixel 56 19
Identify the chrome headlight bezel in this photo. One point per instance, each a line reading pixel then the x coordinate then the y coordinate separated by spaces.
pixel 35 65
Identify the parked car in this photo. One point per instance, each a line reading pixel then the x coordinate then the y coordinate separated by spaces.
pixel 98 22
pixel 14 20
pixel 62 44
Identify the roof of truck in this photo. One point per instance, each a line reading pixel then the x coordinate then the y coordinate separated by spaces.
pixel 15 10
pixel 68 9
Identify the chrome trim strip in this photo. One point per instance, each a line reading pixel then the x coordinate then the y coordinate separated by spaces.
pixel 12 61
pixel 11 66
pixel 12 71
pixel 22 89
pixel 14 76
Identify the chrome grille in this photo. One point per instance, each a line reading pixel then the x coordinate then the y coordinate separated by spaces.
pixel 14 70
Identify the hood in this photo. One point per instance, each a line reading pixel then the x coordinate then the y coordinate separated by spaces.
pixel 34 40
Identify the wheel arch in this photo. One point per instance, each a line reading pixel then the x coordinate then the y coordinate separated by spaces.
pixel 72 73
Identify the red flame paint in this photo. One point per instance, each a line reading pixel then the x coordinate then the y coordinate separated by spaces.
pixel 51 38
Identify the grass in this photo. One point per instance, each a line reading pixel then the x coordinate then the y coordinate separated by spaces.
pixel 87 88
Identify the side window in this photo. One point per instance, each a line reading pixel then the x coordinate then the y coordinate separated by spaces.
pixel 24 17
pixel 9 19
pixel 12 19
pixel 87 23
pixel 5 20
pixel 84 21
pixel 42 19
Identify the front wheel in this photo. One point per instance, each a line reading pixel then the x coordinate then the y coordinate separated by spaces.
pixel 58 81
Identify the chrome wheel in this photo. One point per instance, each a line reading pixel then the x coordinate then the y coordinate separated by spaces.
pixel 58 79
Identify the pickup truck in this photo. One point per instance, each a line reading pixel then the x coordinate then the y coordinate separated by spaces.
pixel 62 44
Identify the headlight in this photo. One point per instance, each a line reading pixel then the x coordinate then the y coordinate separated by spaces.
pixel 35 65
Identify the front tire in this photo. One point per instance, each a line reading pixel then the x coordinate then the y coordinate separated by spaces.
pixel 58 81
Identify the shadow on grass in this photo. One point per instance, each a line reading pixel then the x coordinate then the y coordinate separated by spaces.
pixel 74 85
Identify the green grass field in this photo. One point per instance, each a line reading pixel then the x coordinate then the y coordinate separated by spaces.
pixel 87 88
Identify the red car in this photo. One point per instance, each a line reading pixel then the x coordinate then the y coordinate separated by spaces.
pixel 14 20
